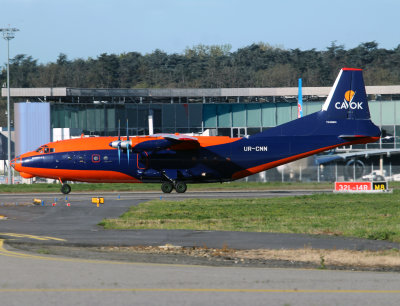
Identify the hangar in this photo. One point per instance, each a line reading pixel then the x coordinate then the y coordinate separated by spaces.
pixel 219 111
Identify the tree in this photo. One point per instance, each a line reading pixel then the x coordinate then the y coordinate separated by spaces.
pixel 258 64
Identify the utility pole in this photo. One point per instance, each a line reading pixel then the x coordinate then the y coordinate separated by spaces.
pixel 8 34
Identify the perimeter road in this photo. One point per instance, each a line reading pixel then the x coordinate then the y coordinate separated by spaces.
pixel 29 279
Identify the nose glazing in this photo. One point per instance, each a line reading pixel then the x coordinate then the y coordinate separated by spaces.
pixel 15 162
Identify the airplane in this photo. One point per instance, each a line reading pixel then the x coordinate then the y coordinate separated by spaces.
pixel 174 160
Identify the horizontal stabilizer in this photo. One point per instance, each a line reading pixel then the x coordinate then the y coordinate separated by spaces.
pixel 352 137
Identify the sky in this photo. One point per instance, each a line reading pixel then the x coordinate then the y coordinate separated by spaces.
pixel 88 28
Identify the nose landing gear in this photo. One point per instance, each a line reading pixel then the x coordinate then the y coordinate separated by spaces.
pixel 65 188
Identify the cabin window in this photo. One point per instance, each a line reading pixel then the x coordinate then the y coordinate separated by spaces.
pixel 95 158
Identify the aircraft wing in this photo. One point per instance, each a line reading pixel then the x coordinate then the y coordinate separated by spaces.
pixel 167 141
pixel 324 159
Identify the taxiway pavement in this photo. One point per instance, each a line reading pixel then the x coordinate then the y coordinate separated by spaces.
pixel 36 278
pixel 78 224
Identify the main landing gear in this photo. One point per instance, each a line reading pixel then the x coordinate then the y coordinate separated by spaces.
pixel 179 186
pixel 65 188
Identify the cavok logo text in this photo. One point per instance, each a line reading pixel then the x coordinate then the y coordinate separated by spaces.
pixel 348 102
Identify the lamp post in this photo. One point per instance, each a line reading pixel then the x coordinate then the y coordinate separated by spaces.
pixel 8 34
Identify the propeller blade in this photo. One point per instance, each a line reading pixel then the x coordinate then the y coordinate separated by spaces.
pixel 127 138
pixel 119 152
pixel 127 151
pixel 119 130
pixel 127 131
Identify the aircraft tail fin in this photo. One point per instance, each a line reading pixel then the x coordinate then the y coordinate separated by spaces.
pixel 347 98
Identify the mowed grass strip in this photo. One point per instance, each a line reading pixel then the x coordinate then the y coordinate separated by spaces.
pixel 237 186
pixel 43 187
pixel 372 216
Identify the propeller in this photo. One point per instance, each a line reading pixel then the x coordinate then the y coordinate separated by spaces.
pixel 119 141
pixel 119 130
pixel 119 152
pixel 122 144
pixel 127 140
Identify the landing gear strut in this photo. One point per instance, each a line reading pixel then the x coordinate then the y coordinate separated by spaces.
pixel 65 188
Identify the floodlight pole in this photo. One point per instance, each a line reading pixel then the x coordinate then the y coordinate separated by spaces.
pixel 8 34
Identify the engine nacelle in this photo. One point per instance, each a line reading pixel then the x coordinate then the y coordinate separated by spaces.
pixel 123 144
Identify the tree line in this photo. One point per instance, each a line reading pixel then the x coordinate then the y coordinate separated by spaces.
pixel 203 66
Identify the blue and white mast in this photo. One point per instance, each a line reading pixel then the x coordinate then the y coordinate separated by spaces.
pixel 300 101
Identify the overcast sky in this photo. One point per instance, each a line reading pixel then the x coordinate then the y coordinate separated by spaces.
pixel 87 28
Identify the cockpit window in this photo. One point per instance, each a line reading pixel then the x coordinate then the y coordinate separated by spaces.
pixel 45 149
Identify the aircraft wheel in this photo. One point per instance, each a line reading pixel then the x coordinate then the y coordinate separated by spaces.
pixel 167 187
pixel 180 187
pixel 65 188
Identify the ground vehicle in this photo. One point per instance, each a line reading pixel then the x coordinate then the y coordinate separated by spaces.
pixel 376 175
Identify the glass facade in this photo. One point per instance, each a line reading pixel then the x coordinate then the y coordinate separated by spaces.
pixel 103 119
pixel 236 119
pixel 228 119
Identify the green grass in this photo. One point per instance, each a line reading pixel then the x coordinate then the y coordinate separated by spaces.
pixel 18 188
pixel 238 185
pixel 372 216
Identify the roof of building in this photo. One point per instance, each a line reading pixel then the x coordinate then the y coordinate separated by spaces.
pixel 184 92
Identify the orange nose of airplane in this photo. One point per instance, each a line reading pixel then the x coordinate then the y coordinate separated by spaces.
pixel 13 162
pixel 16 163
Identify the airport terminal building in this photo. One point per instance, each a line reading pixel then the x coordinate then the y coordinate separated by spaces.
pixel 221 111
